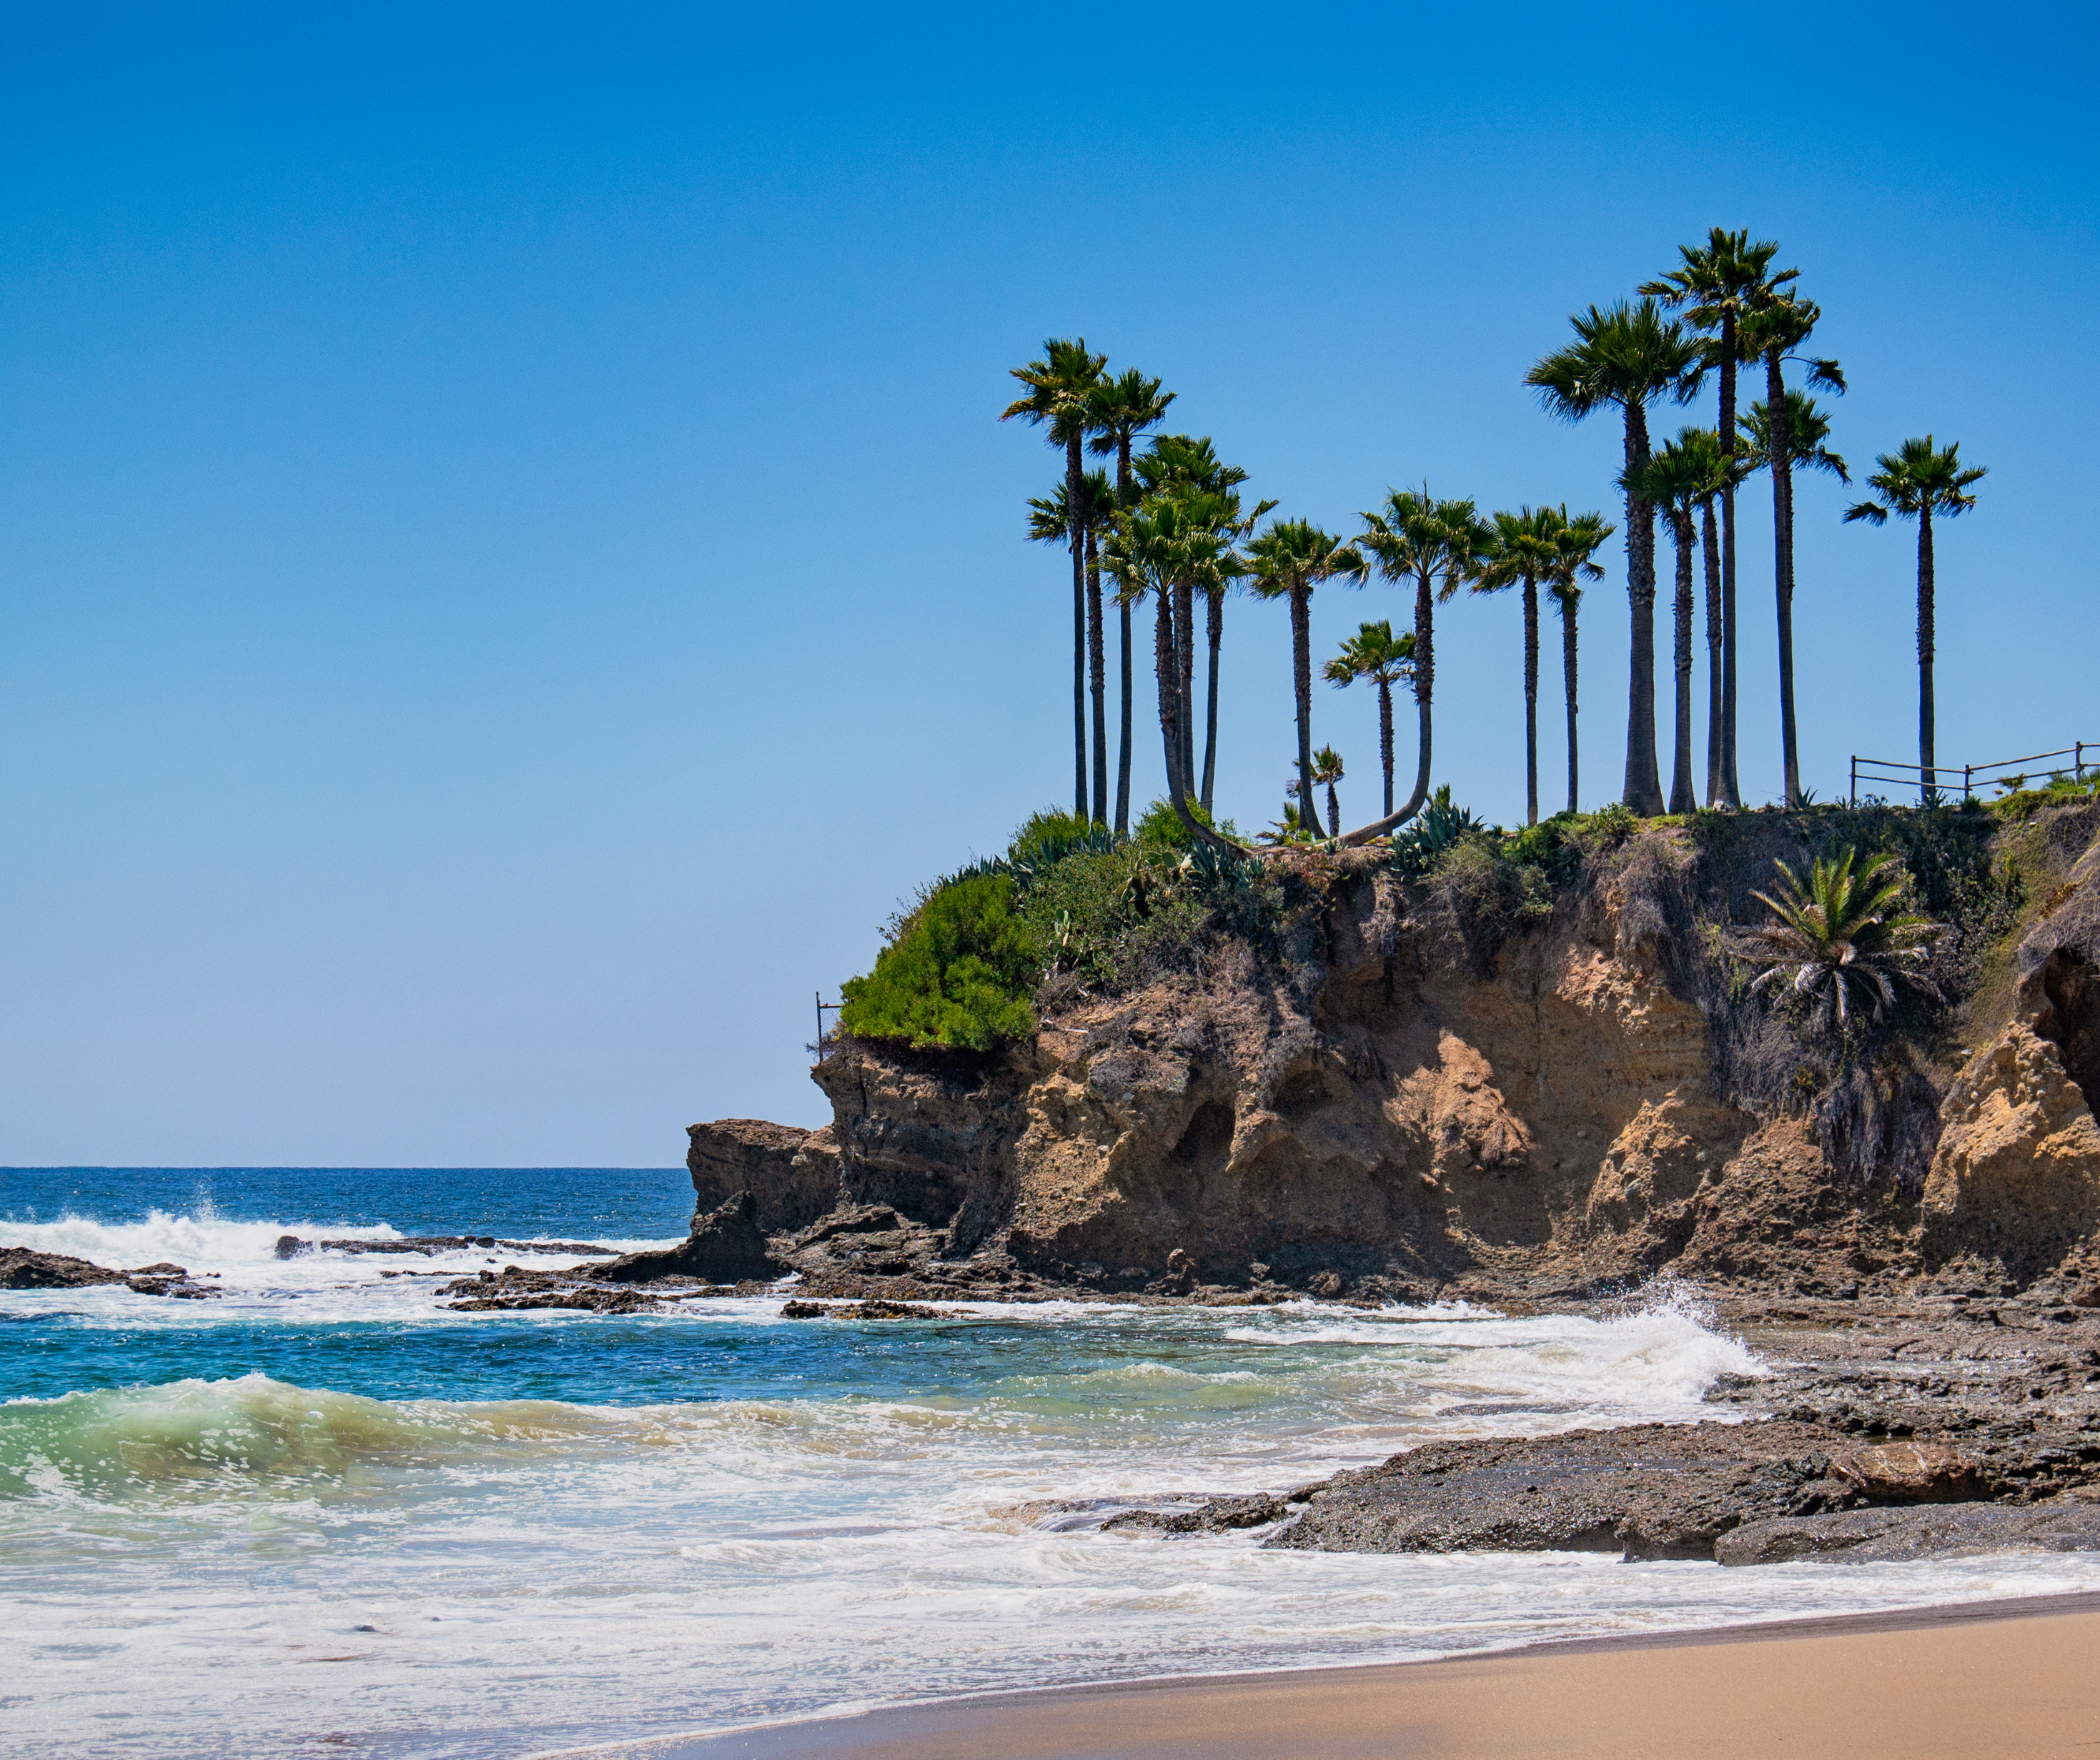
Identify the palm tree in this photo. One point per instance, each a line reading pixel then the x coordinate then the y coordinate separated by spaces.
pixel 1374 653
pixel 1715 473
pixel 1326 772
pixel 1118 410
pixel 1180 459
pixel 1841 939
pixel 1288 562
pixel 1777 324
pixel 1673 480
pixel 1049 521
pixel 1439 546
pixel 1574 546
pixel 1057 387
pixel 1628 356
pixel 1917 482
pixel 1162 541
pixel 1715 285
pixel 1523 551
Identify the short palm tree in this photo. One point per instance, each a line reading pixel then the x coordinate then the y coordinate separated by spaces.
pixel 1777 324
pixel 1715 285
pixel 1057 387
pixel 1288 562
pixel 1118 410
pixel 1917 482
pixel 1841 938
pixel 1326 772
pixel 1439 546
pixel 1575 545
pixel 1628 356
pixel 1375 653
pixel 1522 553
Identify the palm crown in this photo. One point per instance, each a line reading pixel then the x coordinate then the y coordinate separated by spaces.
pixel 1921 478
pixel 1625 353
pixel 1807 437
pixel 1841 939
pixel 1372 652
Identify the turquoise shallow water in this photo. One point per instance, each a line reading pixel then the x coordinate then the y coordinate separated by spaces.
pixel 324 1505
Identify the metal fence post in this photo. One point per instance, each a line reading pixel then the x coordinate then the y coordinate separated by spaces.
pixel 2078 761
pixel 1852 792
pixel 1965 769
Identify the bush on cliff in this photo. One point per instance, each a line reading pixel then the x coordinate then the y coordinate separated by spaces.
pixel 958 971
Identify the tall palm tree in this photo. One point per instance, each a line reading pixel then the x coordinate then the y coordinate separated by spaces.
pixel 1774 327
pixel 1118 410
pixel 1523 551
pixel 1715 285
pixel 1326 772
pixel 1162 541
pixel 1439 546
pixel 1627 356
pixel 1056 398
pixel 1049 521
pixel 1288 562
pixel 1674 481
pixel 1917 482
pixel 1375 653
pixel 1180 459
pixel 1715 473
pixel 1575 546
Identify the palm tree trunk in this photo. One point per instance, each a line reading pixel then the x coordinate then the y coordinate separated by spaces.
pixel 1123 744
pixel 1184 669
pixel 1716 711
pixel 1567 685
pixel 1333 809
pixel 1643 786
pixel 1163 665
pixel 1782 477
pixel 1385 738
pixel 1216 630
pixel 1530 704
pixel 1097 668
pixel 1925 611
pixel 1683 797
pixel 1301 666
pixel 1731 787
pixel 1075 487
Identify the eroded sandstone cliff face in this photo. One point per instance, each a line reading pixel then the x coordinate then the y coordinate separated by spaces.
pixel 1380 1105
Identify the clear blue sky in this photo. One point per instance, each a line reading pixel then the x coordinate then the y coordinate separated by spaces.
pixel 509 571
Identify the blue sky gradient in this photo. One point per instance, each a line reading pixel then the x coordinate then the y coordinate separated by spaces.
pixel 509 571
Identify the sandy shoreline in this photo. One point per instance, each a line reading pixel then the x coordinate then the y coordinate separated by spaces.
pixel 1961 1681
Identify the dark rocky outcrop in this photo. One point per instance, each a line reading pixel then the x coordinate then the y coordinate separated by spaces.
pixel 793 1174
pixel 23 1268
pixel 725 1247
pixel 428 1246
pixel 1893 1535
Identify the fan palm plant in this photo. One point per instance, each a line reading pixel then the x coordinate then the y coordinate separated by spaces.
pixel 1716 473
pixel 1288 562
pixel 1776 325
pixel 1628 356
pixel 1917 482
pixel 1439 546
pixel 1055 399
pixel 1841 940
pixel 1522 553
pixel 1375 653
pixel 1575 546
pixel 1715 284
pixel 1326 772
pixel 1118 410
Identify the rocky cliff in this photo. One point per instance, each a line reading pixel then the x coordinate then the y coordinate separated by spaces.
pixel 1397 1097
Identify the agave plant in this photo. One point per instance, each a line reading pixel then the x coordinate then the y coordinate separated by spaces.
pixel 1842 940
pixel 1440 824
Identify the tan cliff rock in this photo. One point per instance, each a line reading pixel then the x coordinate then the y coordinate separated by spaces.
pixel 1390 1107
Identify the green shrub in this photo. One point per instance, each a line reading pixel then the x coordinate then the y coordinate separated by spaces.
pixel 1440 825
pixel 1050 826
pixel 960 971
pixel 1161 825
